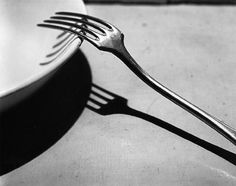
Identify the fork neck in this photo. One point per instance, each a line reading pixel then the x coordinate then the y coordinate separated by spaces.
pixel 213 122
pixel 122 53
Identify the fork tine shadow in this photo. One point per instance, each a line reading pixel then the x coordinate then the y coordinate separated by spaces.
pixel 116 104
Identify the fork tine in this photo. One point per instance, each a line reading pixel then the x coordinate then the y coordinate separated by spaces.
pixel 73 25
pixel 79 21
pixel 108 25
pixel 79 34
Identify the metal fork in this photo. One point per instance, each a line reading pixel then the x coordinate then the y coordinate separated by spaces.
pixel 107 37
pixel 60 47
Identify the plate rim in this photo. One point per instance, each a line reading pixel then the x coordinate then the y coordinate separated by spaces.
pixel 34 78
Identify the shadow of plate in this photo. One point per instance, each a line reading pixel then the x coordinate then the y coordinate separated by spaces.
pixel 35 124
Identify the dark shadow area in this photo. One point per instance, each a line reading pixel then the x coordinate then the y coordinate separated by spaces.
pixel 116 104
pixel 163 2
pixel 35 124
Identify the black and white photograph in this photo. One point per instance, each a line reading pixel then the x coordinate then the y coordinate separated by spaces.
pixel 118 93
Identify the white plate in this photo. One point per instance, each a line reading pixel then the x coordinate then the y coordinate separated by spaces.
pixel 23 46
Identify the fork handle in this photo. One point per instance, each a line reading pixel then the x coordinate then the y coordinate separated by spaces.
pixel 225 130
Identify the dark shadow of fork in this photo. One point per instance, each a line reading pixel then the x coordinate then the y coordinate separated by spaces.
pixel 105 102
pixel 64 39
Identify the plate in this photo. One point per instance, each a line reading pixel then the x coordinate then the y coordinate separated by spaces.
pixel 37 123
pixel 29 54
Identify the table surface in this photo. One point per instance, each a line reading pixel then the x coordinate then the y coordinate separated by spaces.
pixel 191 50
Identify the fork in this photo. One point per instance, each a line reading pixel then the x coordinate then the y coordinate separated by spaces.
pixel 60 47
pixel 104 102
pixel 107 37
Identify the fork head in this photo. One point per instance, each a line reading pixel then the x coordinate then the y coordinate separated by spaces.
pixel 104 102
pixel 101 34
